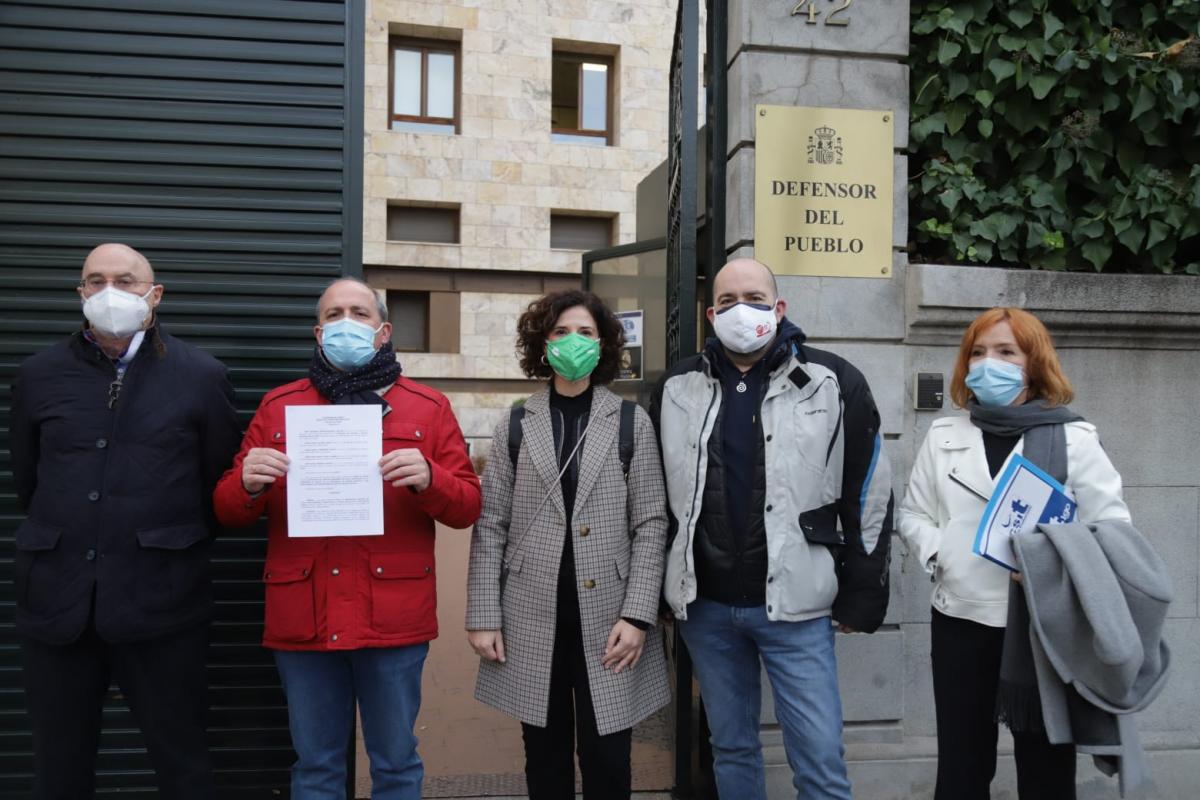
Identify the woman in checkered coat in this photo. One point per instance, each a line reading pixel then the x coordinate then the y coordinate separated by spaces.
pixel 567 559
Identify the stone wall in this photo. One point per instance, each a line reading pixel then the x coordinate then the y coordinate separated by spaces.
pixel 1131 347
pixel 1130 344
pixel 487 352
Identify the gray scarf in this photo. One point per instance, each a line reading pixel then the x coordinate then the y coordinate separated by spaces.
pixel 1017 703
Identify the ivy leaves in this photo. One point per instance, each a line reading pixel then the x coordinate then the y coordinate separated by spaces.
pixel 1058 134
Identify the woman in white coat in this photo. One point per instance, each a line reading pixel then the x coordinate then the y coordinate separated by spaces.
pixel 1008 377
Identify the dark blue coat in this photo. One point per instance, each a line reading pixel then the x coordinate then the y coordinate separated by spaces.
pixel 119 499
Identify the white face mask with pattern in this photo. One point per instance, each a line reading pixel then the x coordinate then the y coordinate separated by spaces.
pixel 745 327
pixel 117 313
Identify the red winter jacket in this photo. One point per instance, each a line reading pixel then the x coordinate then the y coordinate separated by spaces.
pixel 345 593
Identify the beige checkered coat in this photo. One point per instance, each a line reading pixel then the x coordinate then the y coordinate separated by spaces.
pixel 620 538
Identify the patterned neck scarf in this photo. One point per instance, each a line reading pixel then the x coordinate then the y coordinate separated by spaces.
pixel 356 386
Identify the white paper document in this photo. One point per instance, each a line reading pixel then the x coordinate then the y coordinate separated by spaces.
pixel 1025 496
pixel 334 487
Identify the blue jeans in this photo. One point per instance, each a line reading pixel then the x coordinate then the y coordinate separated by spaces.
pixel 321 688
pixel 726 643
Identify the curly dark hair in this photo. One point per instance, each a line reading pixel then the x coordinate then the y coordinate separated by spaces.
pixel 539 318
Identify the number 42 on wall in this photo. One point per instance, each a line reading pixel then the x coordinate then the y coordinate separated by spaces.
pixel 809 8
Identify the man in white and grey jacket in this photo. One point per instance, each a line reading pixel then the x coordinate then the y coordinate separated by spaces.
pixel 781 512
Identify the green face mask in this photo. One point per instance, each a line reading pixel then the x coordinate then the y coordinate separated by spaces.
pixel 574 356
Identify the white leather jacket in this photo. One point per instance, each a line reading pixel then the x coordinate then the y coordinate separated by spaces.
pixel 947 493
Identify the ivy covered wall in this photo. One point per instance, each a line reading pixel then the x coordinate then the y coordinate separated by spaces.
pixel 1056 134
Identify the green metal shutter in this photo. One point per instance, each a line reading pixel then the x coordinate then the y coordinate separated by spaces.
pixel 223 139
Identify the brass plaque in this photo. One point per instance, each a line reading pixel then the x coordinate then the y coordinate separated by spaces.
pixel 823 191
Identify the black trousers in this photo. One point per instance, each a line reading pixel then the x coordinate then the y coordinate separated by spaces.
pixel 163 681
pixel 549 757
pixel 966 673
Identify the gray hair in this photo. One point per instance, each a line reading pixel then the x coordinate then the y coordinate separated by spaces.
pixel 380 302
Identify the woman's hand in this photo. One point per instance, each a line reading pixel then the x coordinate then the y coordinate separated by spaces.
pixel 488 644
pixel 624 647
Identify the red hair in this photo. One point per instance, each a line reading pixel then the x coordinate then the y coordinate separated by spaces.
pixel 1042 368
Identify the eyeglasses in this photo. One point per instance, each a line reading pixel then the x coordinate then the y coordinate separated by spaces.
pixel 125 283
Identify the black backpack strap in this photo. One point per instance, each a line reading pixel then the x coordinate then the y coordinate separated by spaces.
pixel 515 433
pixel 625 436
pixel 625 440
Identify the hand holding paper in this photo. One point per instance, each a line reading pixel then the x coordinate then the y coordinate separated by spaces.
pixel 261 467
pixel 406 467
pixel 334 487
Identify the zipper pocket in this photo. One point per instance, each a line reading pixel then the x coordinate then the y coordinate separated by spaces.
pixel 968 487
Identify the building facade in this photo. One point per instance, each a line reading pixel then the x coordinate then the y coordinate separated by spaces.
pixel 502 139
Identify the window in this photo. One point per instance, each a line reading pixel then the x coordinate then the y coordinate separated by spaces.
pixel 424 322
pixel 575 232
pixel 581 99
pixel 424 86
pixel 409 314
pixel 422 224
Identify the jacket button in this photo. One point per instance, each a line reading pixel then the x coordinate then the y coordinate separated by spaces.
pixel 770 578
pixel 333 638
pixel 417 434
pixel 768 437
pixel 94 495
pixel 304 573
pixel 589 584
pixel 585 530
pixel 768 609
pixel 101 443
pixel 428 569
pixel 379 570
pixel 335 571
pixel 268 575
pixel 90 555
pixel 278 435
pixel 769 508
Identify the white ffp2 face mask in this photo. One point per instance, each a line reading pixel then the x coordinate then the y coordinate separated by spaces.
pixel 745 327
pixel 116 313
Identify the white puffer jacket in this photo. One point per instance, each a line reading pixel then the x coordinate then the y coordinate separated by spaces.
pixel 947 493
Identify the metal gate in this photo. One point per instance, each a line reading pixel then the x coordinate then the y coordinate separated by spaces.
pixel 695 246
pixel 224 140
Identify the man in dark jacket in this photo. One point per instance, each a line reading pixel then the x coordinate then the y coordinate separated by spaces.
pixel 781 509
pixel 118 437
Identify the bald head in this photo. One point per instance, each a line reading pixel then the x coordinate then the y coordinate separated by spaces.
pixel 350 294
pixel 351 298
pixel 749 282
pixel 120 267
pixel 122 258
pixel 742 279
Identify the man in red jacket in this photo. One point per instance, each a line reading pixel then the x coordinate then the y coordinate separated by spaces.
pixel 351 616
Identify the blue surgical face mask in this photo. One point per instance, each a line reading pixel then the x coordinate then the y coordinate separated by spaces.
pixel 995 382
pixel 347 343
